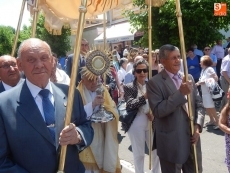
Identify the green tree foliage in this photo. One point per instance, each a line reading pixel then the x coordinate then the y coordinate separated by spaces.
pixel 6 39
pixel 200 26
pixel 60 44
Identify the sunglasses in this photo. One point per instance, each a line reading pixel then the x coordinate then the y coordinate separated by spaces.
pixel 140 70
pixel 206 49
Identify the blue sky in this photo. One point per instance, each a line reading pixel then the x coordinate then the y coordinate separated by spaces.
pixel 9 13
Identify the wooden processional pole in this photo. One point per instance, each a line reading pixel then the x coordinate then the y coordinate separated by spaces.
pixel 72 87
pixel 104 33
pixel 150 75
pixel 183 53
pixel 35 18
pixel 18 28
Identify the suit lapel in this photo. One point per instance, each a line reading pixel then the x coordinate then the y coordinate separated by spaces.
pixel 1 87
pixel 60 102
pixel 169 82
pixel 29 110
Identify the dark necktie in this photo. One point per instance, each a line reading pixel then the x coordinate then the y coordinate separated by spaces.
pixel 48 110
pixel 83 62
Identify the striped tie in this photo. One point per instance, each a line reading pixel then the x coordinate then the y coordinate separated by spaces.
pixel 177 81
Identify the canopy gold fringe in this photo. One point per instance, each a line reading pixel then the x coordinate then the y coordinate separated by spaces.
pixel 51 30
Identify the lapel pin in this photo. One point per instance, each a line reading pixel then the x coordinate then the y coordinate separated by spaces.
pixel 65 103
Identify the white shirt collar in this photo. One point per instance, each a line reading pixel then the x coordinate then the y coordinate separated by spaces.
pixel 7 87
pixel 35 89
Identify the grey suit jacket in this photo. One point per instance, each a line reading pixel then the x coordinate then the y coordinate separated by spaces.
pixel 172 127
pixel 2 89
pixel 26 145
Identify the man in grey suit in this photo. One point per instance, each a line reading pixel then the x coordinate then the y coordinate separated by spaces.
pixel 29 143
pixel 167 98
pixel 9 73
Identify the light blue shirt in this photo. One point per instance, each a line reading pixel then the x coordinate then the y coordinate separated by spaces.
pixel 7 87
pixel 38 99
pixel 129 77
pixel 218 51
pixel 214 60
pixel 198 52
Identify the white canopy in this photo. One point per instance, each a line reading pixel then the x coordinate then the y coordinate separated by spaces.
pixel 66 12
pixel 115 34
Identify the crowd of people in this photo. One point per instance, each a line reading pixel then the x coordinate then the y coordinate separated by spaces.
pixel 34 94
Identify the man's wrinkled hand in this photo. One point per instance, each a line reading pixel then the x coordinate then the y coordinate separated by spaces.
pixel 69 135
pixel 196 135
pixel 186 87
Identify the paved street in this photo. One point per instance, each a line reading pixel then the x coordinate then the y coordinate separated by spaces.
pixel 212 147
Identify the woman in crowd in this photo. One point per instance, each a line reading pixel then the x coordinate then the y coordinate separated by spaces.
pixel 58 75
pixel 224 124
pixel 122 71
pixel 207 73
pixel 138 132
pixel 131 57
pixel 156 66
pixel 193 63
pixel 115 60
pixel 114 92
pixel 146 57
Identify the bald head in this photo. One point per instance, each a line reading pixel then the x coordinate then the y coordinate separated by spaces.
pixel 33 43
pixel 6 57
pixel 9 72
pixel 137 58
pixel 36 61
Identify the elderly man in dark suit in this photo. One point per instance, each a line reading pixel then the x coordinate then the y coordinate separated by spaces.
pixel 167 98
pixel 32 118
pixel 9 73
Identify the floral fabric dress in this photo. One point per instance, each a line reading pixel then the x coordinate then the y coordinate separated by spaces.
pixel 227 145
pixel 206 96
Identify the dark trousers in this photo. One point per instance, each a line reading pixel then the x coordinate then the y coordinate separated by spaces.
pixel 198 87
pixel 218 66
pixel 224 85
pixel 187 167
pixel 169 167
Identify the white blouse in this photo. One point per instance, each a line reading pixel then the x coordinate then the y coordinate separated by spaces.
pixel 121 74
pixel 142 90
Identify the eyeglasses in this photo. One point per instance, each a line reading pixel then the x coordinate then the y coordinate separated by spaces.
pixel 84 44
pixel 141 70
pixel 7 66
pixel 206 49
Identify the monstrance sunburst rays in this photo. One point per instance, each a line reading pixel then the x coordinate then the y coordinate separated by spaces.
pixel 97 63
